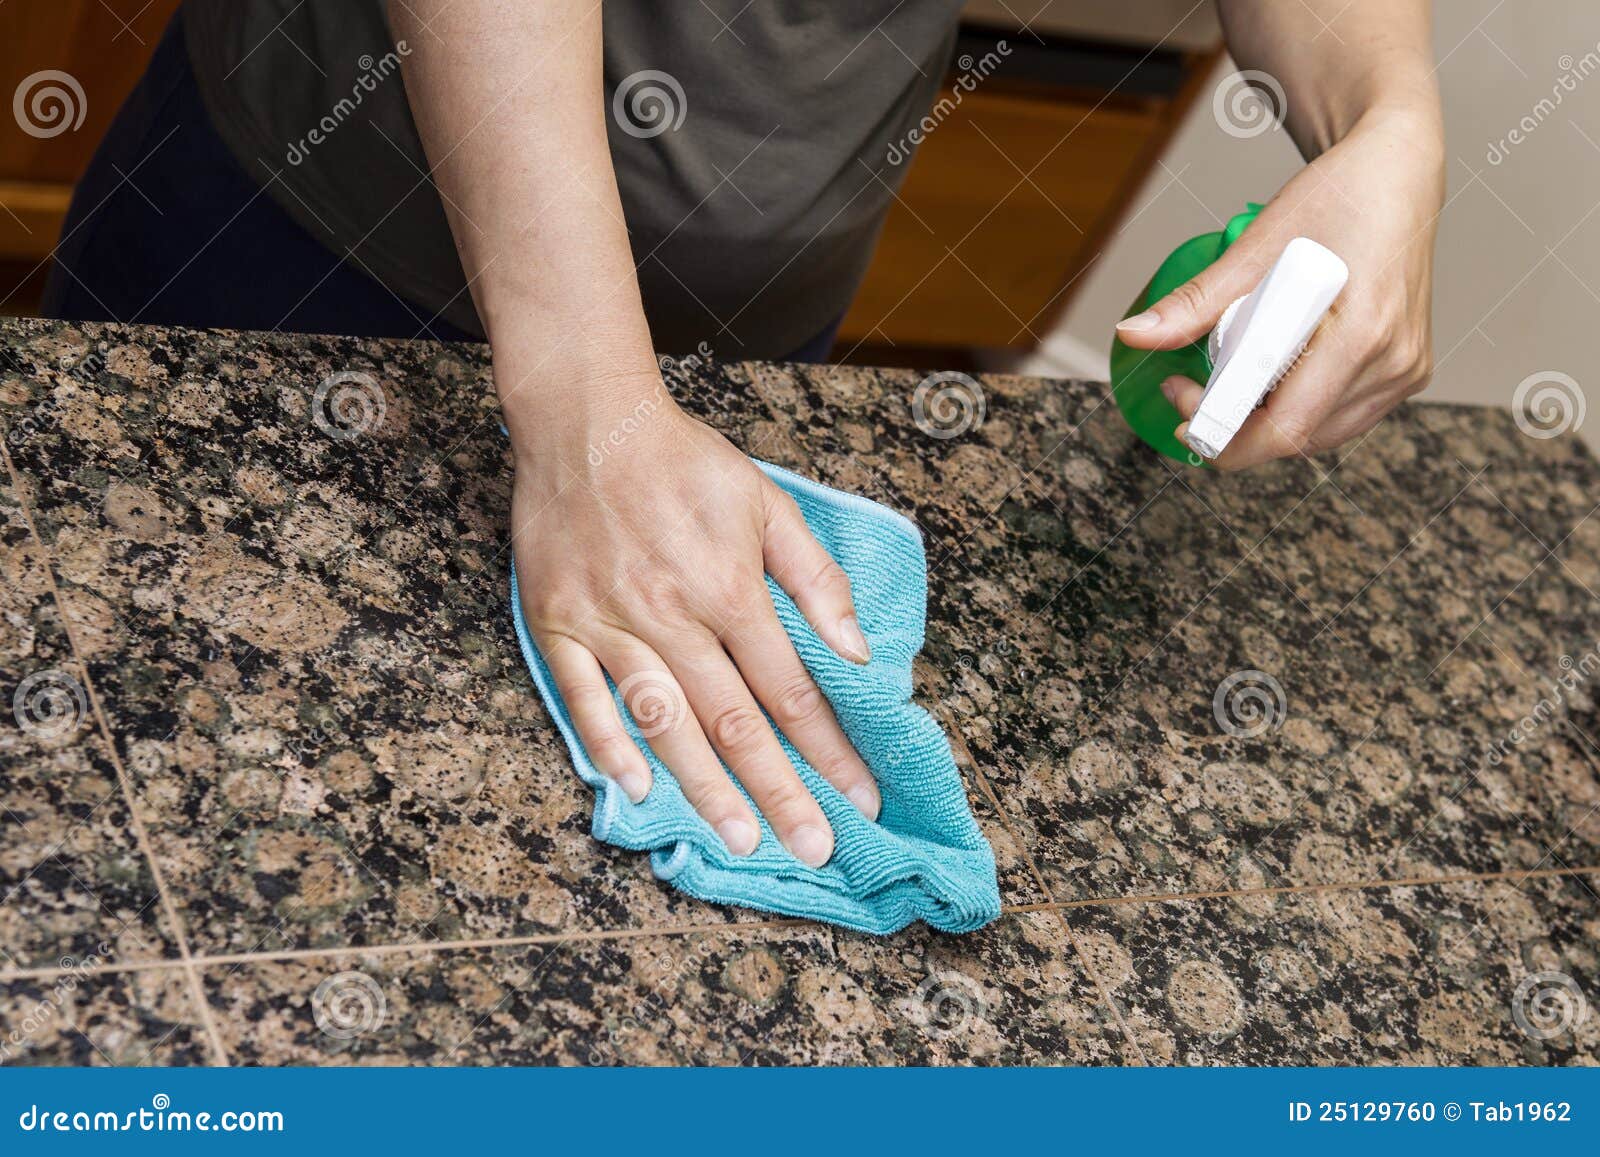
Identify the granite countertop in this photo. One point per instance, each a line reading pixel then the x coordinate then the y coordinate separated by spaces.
pixel 278 788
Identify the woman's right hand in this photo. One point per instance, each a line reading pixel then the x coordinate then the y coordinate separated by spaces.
pixel 642 538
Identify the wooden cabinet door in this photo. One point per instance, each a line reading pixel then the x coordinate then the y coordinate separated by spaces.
pixel 1005 203
pixel 65 67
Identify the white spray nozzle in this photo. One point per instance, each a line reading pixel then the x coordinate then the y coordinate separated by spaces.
pixel 1259 338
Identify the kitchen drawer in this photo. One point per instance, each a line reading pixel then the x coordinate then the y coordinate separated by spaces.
pixel 1006 200
pixel 31 217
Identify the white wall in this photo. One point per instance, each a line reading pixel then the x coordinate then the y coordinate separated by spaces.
pixel 1518 275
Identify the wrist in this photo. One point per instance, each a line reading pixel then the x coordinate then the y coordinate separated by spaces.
pixel 562 380
pixel 1414 118
pixel 573 416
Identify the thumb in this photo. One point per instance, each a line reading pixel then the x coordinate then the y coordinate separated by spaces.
pixel 1192 310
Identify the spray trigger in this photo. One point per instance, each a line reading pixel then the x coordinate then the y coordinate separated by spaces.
pixel 1259 337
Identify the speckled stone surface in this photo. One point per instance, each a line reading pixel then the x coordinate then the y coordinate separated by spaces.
pixel 1411 976
pixel 75 883
pixel 1013 993
pixel 129 1018
pixel 1093 597
pixel 275 568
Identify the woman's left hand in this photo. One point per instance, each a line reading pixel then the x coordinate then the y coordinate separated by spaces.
pixel 1374 199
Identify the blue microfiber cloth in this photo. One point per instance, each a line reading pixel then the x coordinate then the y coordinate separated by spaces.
pixel 925 857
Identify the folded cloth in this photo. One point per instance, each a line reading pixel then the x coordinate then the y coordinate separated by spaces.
pixel 924 858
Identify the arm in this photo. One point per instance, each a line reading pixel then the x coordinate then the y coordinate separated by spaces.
pixel 645 563
pixel 1363 107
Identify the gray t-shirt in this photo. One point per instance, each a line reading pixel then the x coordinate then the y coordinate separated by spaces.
pixel 751 142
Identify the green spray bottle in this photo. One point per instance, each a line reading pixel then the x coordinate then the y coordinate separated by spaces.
pixel 1136 375
pixel 1256 341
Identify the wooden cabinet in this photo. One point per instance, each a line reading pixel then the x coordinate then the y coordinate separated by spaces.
pixel 1002 207
pixel 1013 193
pixel 65 67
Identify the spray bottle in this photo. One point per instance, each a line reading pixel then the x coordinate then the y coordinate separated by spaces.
pixel 1253 346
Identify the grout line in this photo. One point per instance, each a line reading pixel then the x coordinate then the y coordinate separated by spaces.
pixel 734 928
pixel 958 741
pixel 422 948
pixel 141 836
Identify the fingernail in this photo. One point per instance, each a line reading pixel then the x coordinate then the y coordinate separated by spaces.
pixel 866 798
pixel 634 784
pixel 741 836
pixel 855 643
pixel 811 845
pixel 1169 390
pixel 1140 322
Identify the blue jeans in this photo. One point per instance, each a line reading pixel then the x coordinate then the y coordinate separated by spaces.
pixel 166 228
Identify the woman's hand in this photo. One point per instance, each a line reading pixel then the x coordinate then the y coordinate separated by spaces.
pixel 1373 199
pixel 642 556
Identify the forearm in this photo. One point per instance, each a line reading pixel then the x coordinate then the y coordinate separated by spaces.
pixel 509 100
pixel 1340 61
